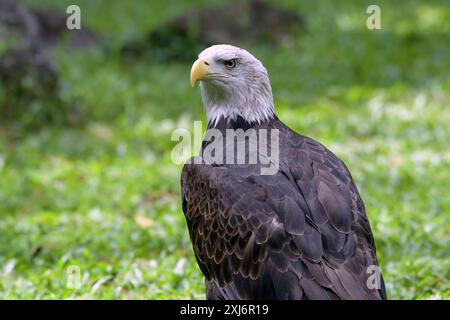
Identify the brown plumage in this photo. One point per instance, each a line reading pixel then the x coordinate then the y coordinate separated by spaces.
pixel 301 233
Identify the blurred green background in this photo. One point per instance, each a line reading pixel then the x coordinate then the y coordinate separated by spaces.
pixel 101 193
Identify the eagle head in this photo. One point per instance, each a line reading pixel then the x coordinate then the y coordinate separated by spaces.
pixel 233 83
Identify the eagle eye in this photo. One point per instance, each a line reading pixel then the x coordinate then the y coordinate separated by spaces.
pixel 230 64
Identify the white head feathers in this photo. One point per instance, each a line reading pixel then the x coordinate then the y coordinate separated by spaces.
pixel 236 84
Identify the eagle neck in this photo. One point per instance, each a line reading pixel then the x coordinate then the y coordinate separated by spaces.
pixel 253 103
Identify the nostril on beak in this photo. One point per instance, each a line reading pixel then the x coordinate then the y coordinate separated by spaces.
pixel 206 62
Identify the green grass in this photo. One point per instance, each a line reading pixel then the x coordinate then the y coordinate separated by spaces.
pixel 105 197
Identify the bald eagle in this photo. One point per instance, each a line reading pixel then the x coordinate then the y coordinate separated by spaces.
pixel 298 232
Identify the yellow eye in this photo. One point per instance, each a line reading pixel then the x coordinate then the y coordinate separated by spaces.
pixel 230 64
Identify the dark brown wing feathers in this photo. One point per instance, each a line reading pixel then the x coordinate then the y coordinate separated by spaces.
pixel 299 234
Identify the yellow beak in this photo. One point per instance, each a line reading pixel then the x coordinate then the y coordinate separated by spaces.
pixel 199 70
